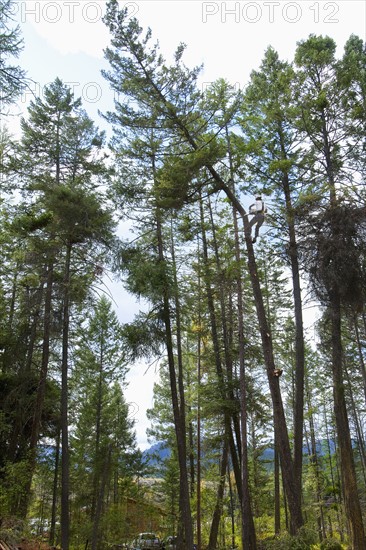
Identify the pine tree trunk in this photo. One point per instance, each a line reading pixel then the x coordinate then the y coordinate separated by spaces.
pixel 214 531
pixel 100 499
pixel 277 490
pixel 181 382
pixel 179 419
pixel 198 490
pixel 360 355
pixel 199 374
pixel 299 338
pixel 217 355
pixel 65 515
pixel 25 370
pixel 349 481
pixel 314 460
pixel 334 474
pixel 225 324
pixel 98 416
pixel 357 423
pixel 280 425
pixel 248 529
pixel 41 389
pixel 55 490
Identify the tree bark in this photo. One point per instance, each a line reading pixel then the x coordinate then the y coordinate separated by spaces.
pixel 277 490
pixel 217 355
pixel 214 531
pixel 99 503
pixel 349 481
pixel 55 489
pixel 41 389
pixel 314 460
pixel 65 475
pixel 280 426
pixel 299 338
pixel 247 521
pixel 186 526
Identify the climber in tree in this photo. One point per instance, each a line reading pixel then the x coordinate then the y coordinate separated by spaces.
pixel 258 210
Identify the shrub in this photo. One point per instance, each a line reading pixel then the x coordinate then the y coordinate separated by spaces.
pixel 303 541
pixel 330 544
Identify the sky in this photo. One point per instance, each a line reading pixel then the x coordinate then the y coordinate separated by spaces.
pixel 66 39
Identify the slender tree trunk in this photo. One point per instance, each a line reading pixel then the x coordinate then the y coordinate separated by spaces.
pixel 280 425
pixel 24 372
pixel 277 490
pixel 299 338
pixel 349 481
pixel 179 419
pixel 224 323
pixel 65 476
pixel 357 423
pixel 198 490
pixel 98 417
pixel 100 499
pixel 217 355
pixel 184 498
pixel 334 474
pixel 360 354
pixel 314 460
pixel 214 531
pixel 55 489
pixel 232 506
pixel 248 529
pixel 41 390
pixel 34 327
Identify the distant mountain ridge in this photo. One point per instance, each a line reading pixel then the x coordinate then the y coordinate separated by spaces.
pixel 156 453
pixel 159 451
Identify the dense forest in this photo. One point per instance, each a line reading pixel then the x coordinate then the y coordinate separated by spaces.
pixel 260 342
